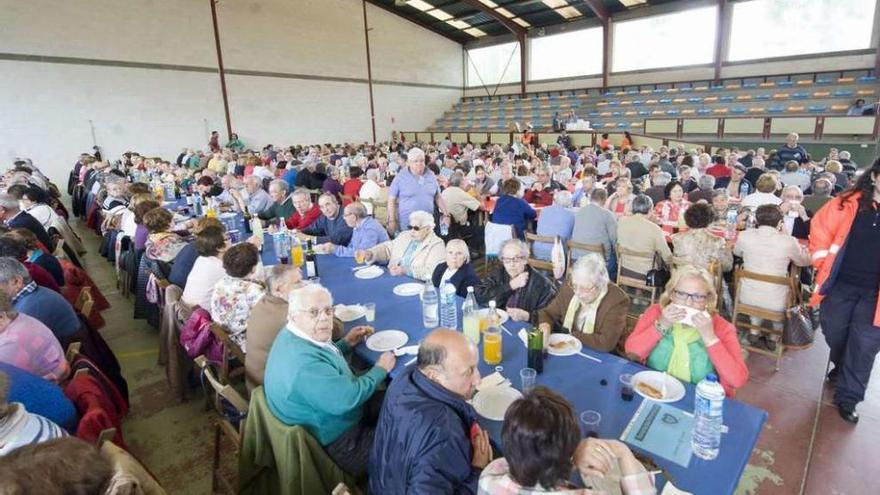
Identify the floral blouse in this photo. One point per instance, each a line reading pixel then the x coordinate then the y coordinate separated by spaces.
pixel 670 215
pixel 700 248
pixel 231 304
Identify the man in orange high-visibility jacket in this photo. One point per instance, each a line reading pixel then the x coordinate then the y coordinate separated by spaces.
pixel 845 247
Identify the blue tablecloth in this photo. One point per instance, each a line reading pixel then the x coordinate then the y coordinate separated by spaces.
pixel 577 378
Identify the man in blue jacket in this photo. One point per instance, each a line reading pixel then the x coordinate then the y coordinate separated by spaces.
pixel 427 440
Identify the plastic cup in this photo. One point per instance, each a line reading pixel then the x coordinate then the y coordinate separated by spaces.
pixel 626 387
pixel 527 376
pixel 370 314
pixel 591 420
pixel 492 346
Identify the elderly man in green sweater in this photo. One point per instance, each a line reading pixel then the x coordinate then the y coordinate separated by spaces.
pixel 309 383
pixel 282 203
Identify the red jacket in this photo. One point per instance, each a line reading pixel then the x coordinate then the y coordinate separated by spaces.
pixel 718 171
pixel 543 197
pixel 299 222
pixel 41 276
pixel 726 355
pixel 829 229
pixel 352 187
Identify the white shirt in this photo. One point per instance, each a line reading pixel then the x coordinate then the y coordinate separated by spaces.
pixel 370 190
pixel 757 199
pixel 326 345
pixel 206 272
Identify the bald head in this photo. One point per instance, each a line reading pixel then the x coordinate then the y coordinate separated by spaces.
pixel 448 358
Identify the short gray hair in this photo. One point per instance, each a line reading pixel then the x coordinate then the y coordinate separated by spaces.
pixel 280 184
pixel 456 179
pixel 522 246
pixel 792 188
pixel 421 219
pixel 328 196
pixel 253 180
pixel 301 193
pixel 357 209
pixel 413 152
pixel 11 268
pixel 297 296
pixel 562 198
pixel 822 186
pixel 662 179
pixel 592 267
pixel 8 202
pixel 706 181
pixel 642 204
pixel 276 274
pixel 844 155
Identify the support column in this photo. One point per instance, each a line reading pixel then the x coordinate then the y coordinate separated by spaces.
pixel 523 63
pixel 220 68
pixel 369 72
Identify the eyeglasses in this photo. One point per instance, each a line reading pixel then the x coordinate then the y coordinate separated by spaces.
pixel 515 259
pixel 316 312
pixel 584 288
pixel 416 228
pixel 684 296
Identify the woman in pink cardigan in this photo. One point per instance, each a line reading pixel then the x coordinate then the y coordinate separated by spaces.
pixel 684 336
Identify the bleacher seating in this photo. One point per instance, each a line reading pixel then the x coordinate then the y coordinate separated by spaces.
pixel 623 108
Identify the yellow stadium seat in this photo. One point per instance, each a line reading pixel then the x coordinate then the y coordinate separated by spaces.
pixel 658 112
pixel 602 104
pixel 800 108
pixel 839 107
pixel 846 79
pixel 610 124
pixel 620 93
pixel 646 91
pixel 720 110
pixel 625 102
pixel 732 86
pixel 710 99
pixel 631 112
pixel 605 114
pixel 744 97
pixel 636 124
pixel 701 88
pixel 864 92
pixel 780 96
pixel 804 82
pixel 757 110
pixel 821 94
pixel 672 90
pixel 679 100
pixel 650 102
pixel 688 111
pixel 768 84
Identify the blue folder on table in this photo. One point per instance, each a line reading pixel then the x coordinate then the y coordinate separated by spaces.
pixel 662 430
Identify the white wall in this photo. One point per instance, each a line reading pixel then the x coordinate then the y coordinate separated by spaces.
pixel 144 72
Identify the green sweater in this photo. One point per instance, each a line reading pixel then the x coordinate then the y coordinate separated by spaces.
pixel 314 387
pixel 285 209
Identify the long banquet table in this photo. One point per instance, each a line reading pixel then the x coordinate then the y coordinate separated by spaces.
pixel 575 377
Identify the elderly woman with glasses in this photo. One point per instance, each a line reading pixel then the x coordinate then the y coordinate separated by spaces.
pixel 516 287
pixel 309 383
pixel 590 307
pixel 415 252
pixel 684 335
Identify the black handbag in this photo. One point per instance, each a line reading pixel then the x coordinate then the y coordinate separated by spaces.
pixel 798 332
pixel 658 275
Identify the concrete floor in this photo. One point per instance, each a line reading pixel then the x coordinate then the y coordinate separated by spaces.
pixel 175 441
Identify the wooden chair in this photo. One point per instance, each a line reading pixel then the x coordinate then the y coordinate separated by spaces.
pixel 625 257
pixel 84 301
pixel 748 311
pixel 223 426
pixel 536 263
pixel 582 246
pixel 231 351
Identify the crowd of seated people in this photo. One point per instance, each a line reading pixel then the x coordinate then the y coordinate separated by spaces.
pixel 703 214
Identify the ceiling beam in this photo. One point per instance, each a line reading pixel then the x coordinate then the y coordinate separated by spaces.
pixel 721 34
pixel 414 20
pixel 509 24
pixel 599 9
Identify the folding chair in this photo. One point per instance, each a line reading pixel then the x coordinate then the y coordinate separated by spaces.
pixel 84 301
pixel 536 263
pixel 224 425
pixel 748 311
pixel 627 257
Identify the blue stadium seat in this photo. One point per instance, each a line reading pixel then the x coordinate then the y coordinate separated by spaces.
pixel 726 98
pixel 632 92
pixel 868 79
pixel 616 114
pixel 638 102
pixel 765 96
pixel 703 111
pixel 843 92
pixel 716 88
pixel 817 108
pixel 776 109
pixel 622 125
pixel 738 110
pixel 800 95
pixel 695 99
pixel 784 84
pixel 609 93
pixel 686 89
pixel 750 85
pixel 659 91
pixel 665 101
pixel 613 103
pixel 824 81
pixel 593 114
pixel 644 113
pixel 673 112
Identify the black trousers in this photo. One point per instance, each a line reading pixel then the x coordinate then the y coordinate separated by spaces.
pixel 351 450
pixel 847 316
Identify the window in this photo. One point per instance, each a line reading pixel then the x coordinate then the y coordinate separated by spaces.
pixel 577 53
pixel 670 40
pixel 778 28
pixel 492 65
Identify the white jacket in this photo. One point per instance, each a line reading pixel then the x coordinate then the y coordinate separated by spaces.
pixel 430 253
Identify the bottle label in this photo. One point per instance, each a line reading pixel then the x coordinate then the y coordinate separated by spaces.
pixel 310 269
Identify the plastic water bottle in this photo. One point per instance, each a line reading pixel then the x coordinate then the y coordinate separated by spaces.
pixel 731 224
pixel 708 409
pixel 444 229
pixel 197 206
pixel 470 317
pixel 743 189
pixel 448 309
pixel 430 303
